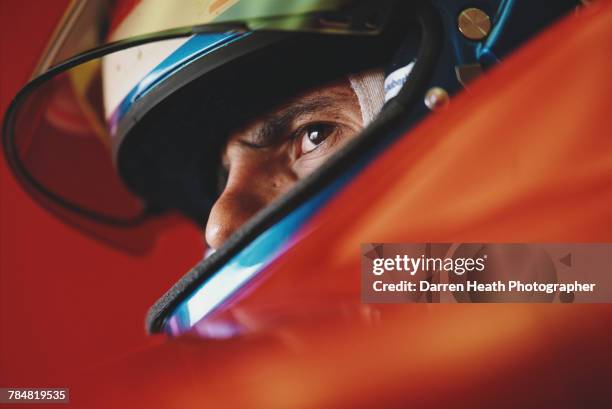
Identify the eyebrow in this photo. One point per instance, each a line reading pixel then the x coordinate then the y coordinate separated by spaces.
pixel 277 124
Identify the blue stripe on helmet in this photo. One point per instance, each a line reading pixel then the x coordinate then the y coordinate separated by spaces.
pixel 196 47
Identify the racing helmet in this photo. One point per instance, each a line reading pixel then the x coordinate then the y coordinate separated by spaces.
pixel 133 99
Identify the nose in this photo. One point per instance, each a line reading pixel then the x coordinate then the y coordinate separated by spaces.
pixel 229 212
pixel 245 194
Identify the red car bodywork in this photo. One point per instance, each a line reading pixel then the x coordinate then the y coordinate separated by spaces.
pixel 523 155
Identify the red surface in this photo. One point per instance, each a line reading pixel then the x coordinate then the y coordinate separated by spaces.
pixel 67 302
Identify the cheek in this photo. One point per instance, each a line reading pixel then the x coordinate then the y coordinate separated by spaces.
pixel 307 166
pixel 264 173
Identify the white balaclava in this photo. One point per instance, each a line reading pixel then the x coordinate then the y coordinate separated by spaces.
pixel 369 88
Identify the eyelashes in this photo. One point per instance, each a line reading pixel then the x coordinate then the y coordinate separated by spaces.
pixel 314 136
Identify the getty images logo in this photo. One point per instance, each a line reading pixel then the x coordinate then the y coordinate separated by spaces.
pixel 412 265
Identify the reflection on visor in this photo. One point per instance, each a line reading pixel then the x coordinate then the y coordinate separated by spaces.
pixel 61 135
pixel 59 145
pixel 106 55
pixel 88 25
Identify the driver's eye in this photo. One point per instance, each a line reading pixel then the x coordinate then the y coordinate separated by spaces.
pixel 311 136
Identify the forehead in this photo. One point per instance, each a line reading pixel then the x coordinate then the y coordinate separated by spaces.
pixel 337 91
pixel 336 96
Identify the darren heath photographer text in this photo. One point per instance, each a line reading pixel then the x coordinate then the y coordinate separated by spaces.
pixel 458 266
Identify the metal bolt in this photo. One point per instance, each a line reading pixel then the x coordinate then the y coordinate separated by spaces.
pixel 474 23
pixel 436 98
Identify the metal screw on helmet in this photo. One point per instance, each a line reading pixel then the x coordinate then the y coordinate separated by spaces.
pixel 436 98
pixel 474 23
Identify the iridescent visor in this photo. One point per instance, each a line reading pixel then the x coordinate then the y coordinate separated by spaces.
pixel 88 25
pixel 60 133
